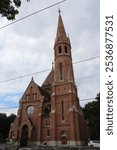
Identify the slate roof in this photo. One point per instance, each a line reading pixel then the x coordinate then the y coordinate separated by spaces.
pixel 44 92
pixel 49 80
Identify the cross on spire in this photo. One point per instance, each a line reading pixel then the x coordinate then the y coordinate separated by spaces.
pixel 59 11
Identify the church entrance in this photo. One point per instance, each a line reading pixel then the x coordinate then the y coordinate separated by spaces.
pixel 64 137
pixel 64 141
pixel 24 136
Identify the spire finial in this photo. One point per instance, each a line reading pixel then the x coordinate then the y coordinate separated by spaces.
pixel 32 79
pixel 52 66
pixel 59 11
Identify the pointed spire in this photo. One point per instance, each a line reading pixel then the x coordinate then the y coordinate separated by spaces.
pixel 60 30
pixel 61 33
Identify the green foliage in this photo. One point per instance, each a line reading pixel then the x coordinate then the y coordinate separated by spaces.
pixel 92 116
pixel 5 125
pixel 9 8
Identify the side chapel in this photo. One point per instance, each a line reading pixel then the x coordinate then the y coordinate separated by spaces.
pixel 51 114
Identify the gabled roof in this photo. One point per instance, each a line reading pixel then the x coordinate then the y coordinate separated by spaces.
pixel 35 89
pixel 44 92
pixel 49 80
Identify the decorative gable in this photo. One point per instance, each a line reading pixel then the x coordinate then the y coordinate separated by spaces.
pixel 32 92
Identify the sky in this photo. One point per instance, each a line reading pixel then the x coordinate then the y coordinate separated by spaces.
pixel 26 47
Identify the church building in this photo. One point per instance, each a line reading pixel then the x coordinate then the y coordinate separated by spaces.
pixel 51 114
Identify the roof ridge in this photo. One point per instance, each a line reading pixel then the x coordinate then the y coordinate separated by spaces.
pixel 49 79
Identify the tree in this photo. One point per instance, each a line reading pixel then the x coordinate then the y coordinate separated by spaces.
pixel 5 123
pixel 10 119
pixel 9 8
pixel 92 115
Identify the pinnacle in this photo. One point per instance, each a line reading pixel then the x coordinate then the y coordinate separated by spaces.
pixel 61 33
pixel 60 30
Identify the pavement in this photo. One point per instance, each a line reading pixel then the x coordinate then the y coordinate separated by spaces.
pixel 13 147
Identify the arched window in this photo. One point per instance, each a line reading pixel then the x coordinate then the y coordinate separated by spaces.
pixel 47 110
pixel 48 132
pixel 47 122
pixel 66 50
pixel 62 111
pixel 60 50
pixel 27 96
pixel 61 71
pixel 33 96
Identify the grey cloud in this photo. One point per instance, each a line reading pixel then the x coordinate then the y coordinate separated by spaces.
pixel 27 46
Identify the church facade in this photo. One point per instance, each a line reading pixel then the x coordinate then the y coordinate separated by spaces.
pixel 51 114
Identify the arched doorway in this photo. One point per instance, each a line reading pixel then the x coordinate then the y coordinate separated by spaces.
pixel 24 136
pixel 64 137
pixel 64 140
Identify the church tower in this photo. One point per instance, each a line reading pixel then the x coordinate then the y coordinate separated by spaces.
pixel 50 114
pixel 62 55
pixel 66 116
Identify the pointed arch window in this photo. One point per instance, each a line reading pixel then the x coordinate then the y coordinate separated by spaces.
pixel 48 132
pixel 61 71
pixel 60 50
pixel 66 50
pixel 63 111
pixel 26 97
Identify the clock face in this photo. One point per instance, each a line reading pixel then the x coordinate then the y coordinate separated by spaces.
pixel 30 110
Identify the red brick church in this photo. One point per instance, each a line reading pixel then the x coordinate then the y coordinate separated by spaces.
pixel 50 114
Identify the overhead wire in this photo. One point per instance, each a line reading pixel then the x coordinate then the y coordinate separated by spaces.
pixel 87 99
pixel 19 77
pixel 15 78
pixel 86 59
pixel 94 75
pixel 27 16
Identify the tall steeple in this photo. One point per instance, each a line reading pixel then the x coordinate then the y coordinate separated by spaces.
pixel 61 33
pixel 65 109
pixel 62 54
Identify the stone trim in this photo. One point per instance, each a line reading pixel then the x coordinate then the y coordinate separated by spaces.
pixel 53 94
pixel 53 111
pixel 69 91
pixel 70 109
pixel 63 121
pixel 39 114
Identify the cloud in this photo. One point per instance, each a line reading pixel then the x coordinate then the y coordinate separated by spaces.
pixel 27 46
pixel 9 98
pixel 9 111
